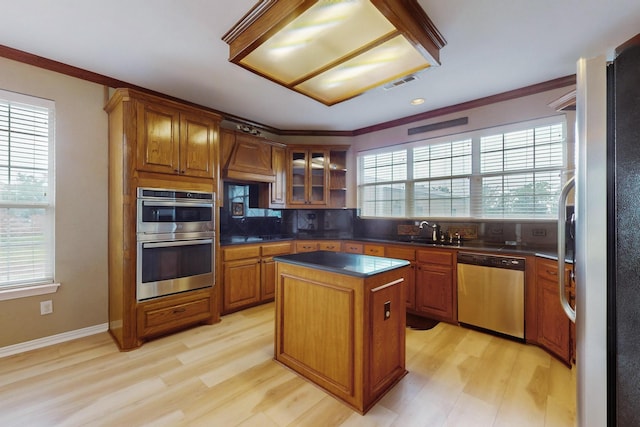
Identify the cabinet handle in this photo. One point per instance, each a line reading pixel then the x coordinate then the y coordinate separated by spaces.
pixel 179 310
pixel 552 273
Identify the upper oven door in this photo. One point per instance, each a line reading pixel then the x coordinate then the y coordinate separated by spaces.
pixel 174 216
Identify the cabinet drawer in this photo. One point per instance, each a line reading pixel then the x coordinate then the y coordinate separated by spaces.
pixel 154 318
pixel 435 257
pixel 273 249
pixel 241 252
pixel 354 248
pixel 400 253
pixel 330 245
pixel 375 250
pixel 547 269
pixel 306 246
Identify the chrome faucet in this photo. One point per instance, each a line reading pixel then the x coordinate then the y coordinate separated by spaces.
pixel 435 232
pixel 423 223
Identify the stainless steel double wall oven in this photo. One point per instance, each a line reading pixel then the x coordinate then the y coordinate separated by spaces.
pixel 175 241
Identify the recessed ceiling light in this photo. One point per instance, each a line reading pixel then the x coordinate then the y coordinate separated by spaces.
pixel 417 101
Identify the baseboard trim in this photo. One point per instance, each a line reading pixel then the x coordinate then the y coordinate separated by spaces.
pixel 53 339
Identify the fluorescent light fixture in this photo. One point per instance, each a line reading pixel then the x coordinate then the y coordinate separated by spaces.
pixel 333 50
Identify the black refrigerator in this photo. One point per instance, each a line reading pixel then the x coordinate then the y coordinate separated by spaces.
pixel 607 238
pixel 623 229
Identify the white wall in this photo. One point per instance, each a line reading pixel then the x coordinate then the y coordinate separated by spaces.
pixel 81 159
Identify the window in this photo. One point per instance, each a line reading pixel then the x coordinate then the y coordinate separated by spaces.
pixel 26 191
pixel 384 179
pixel 508 172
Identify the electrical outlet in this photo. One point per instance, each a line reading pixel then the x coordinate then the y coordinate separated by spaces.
pixel 46 307
pixel 387 310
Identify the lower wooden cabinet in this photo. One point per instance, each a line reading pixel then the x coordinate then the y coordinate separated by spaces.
pixel 408 254
pixel 248 274
pixel 435 293
pixel 353 247
pixel 555 331
pixel 163 315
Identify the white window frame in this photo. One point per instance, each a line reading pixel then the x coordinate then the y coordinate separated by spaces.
pixel 475 178
pixel 45 284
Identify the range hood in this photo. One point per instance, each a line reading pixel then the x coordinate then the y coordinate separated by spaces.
pixel 249 160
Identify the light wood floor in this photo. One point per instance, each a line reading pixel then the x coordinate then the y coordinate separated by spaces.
pixel 224 375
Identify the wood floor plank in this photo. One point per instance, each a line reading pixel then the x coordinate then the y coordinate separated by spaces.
pixel 224 374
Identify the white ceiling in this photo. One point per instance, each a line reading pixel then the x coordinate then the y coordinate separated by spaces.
pixel 175 47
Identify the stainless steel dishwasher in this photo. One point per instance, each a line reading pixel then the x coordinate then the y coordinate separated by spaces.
pixel 491 293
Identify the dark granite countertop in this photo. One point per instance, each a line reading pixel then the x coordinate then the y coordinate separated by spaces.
pixel 343 263
pixel 502 249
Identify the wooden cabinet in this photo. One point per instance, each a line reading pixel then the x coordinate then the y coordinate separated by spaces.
pixel 338 178
pixel 353 247
pixel 154 142
pixel 435 284
pixel 173 141
pixel 373 250
pixel 554 327
pixel 248 274
pixel 330 245
pixel 317 177
pixel 268 268
pixel 157 317
pixel 408 254
pixel 277 190
pixel 344 333
pixel 307 246
pixel 308 178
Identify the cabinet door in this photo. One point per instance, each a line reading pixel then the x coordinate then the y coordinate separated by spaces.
pixel 374 250
pixel 306 246
pixel 158 142
pixel 553 324
pixel 434 291
pixel 354 248
pixel 330 245
pixel 297 194
pixel 318 177
pixel 241 283
pixel 268 273
pixel 197 146
pixel 408 254
pixel 308 177
pixel 278 189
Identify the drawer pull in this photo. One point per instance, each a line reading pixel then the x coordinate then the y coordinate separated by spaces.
pixel 552 273
pixel 179 310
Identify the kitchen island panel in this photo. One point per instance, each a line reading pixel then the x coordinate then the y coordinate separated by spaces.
pixel 344 333
pixel 318 331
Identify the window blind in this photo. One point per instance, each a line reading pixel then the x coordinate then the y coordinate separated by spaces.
pixel 26 208
pixel 521 172
pixel 512 171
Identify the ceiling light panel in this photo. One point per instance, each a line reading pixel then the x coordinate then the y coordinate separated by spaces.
pixel 332 50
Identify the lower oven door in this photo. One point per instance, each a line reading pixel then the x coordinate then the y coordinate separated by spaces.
pixel 172 266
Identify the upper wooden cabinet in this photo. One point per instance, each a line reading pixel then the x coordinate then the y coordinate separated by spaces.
pixel 154 142
pixel 174 141
pixel 316 177
pixel 308 177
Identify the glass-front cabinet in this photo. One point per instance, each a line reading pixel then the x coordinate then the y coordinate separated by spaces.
pixel 308 178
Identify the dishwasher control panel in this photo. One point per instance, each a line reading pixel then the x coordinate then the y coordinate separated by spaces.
pixel 511 263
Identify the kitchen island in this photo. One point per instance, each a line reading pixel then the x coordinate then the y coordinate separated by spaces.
pixel 340 322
